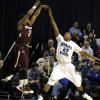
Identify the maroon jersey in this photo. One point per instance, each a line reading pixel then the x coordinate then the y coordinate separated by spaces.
pixel 21 49
pixel 25 36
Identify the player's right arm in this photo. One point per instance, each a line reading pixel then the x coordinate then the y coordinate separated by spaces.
pixel 28 15
pixel 30 12
pixel 90 56
pixel 56 30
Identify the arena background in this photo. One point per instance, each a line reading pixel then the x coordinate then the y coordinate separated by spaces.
pixel 65 13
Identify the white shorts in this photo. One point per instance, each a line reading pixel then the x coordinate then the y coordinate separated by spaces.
pixel 65 71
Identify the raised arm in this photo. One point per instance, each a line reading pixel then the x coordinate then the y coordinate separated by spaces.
pixel 29 14
pixel 54 25
pixel 36 13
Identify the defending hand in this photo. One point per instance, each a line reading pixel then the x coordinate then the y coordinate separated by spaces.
pixel 45 7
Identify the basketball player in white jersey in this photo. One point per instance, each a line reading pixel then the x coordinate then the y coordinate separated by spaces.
pixel 64 68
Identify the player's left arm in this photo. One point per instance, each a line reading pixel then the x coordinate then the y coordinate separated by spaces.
pixel 83 53
pixel 36 14
pixel 90 56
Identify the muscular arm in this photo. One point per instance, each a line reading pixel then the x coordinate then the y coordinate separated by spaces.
pixel 30 12
pixel 88 55
pixel 28 15
pixel 36 14
pixel 56 30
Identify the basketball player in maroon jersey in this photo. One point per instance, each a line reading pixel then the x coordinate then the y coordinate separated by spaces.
pixel 22 46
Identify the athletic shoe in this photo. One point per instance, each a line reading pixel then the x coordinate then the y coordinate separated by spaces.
pixel 87 97
pixel 28 89
pixel 21 90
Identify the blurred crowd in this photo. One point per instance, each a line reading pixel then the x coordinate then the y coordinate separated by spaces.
pixel 39 71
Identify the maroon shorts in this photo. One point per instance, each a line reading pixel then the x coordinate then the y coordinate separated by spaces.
pixel 21 57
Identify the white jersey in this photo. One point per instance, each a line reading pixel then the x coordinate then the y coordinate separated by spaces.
pixel 65 49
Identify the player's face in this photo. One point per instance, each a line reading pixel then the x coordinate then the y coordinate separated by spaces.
pixel 67 36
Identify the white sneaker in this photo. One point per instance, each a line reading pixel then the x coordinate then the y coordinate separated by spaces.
pixel 87 97
pixel 21 90
pixel 67 96
pixel 28 89
pixel 31 91
pixel 8 78
pixel 40 97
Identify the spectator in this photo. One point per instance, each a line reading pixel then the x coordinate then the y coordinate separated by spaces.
pixel 86 48
pixel 88 29
pixel 93 44
pixel 76 33
pixel 34 80
pixel 43 61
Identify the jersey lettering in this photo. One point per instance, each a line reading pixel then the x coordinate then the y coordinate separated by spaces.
pixel 65 49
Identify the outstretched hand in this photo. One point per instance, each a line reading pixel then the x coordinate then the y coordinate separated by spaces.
pixel 37 3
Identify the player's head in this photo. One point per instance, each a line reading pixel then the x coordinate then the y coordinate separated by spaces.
pixel 67 36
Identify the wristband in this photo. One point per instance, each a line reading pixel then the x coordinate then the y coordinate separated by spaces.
pixel 34 7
